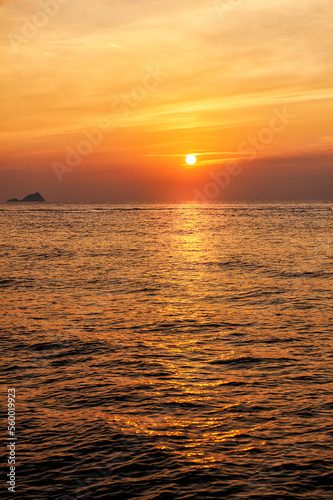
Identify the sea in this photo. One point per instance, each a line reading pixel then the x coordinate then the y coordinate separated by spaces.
pixel 168 351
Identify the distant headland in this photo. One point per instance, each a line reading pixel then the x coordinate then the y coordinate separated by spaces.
pixel 30 198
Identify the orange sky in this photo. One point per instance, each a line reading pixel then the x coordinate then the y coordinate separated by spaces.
pixel 101 101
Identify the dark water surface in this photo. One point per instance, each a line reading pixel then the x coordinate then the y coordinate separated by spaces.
pixel 169 352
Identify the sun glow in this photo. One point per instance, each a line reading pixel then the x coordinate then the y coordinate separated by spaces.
pixel 191 159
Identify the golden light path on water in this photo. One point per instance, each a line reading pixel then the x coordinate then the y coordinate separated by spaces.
pixel 191 248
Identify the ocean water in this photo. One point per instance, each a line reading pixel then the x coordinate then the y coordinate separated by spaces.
pixel 169 351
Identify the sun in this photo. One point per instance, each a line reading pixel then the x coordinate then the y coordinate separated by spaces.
pixel 191 159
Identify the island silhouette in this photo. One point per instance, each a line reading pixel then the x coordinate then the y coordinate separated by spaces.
pixel 30 198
